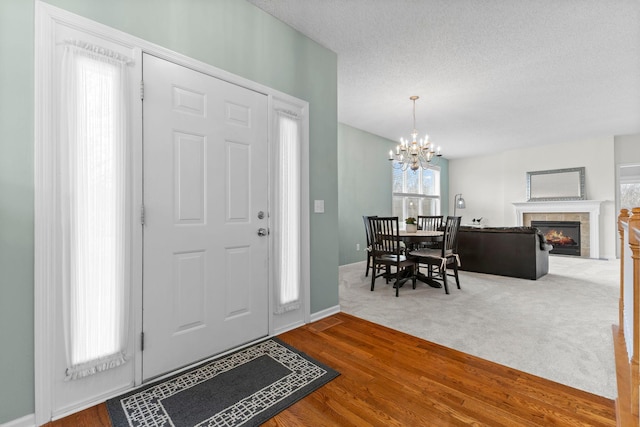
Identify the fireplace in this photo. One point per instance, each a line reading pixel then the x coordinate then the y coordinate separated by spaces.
pixel 563 235
pixel 585 211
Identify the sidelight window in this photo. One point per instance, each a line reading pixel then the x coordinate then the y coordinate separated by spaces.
pixel 93 204
pixel 288 213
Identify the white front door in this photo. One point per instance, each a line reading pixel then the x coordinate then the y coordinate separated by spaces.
pixel 205 272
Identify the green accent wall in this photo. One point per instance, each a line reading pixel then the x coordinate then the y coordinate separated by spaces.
pixel 364 186
pixel 230 34
pixel 16 209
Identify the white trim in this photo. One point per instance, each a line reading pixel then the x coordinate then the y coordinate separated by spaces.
pixel 26 421
pixel 319 315
pixel 136 228
pixel 305 215
pixel 592 207
pixel 286 328
pixel 46 18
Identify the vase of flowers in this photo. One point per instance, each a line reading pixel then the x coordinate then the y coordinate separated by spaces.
pixel 410 225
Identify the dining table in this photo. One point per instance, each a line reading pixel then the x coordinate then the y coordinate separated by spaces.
pixel 420 236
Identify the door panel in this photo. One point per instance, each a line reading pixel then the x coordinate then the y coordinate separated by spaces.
pixel 189 182
pixel 205 179
pixel 189 291
pixel 237 292
pixel 238 182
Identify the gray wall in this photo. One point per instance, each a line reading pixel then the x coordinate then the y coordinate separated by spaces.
pixel 229 34
pixel 627 149
pixel 364 186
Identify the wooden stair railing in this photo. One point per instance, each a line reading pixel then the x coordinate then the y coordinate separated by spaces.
pixel 626 335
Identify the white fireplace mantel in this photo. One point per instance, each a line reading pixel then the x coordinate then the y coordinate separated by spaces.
pixel 592 207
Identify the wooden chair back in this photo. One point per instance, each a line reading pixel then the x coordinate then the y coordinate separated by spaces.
pixel 385 235
pixel 367 228
pixel 429 222
pixel 450 237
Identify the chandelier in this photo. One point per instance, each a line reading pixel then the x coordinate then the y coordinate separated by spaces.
pixel 414 154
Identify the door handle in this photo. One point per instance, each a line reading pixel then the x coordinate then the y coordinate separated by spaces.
pixel 262 232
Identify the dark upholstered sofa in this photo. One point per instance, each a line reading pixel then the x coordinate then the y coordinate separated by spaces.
pixel 505 251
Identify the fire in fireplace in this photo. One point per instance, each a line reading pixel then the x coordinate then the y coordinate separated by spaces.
pixel 563 235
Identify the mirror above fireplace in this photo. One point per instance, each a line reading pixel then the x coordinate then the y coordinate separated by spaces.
pixel 556 185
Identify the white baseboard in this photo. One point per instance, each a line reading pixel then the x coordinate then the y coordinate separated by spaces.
pixel 313 318
pixel 26 421
pixel 325 313
pixel 286 328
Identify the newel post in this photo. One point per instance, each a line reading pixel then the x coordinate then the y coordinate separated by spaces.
pixel 622 218
pixel 634 244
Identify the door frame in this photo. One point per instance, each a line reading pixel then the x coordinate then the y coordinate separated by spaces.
pixel 47 18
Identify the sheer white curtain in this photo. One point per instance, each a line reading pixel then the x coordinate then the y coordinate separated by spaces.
pixel 288 213
pixel 93 142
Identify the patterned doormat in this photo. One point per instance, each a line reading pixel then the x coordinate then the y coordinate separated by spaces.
pixel 244 388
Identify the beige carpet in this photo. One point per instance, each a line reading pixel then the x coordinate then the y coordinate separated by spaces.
pixel 557 327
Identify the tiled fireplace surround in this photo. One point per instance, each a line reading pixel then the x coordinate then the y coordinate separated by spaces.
pixel 585 211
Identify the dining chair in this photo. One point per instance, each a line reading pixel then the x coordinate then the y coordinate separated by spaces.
pixel 439 259
pixel 387 251
pixel 430 222
pixel 367 231
pixel 426 222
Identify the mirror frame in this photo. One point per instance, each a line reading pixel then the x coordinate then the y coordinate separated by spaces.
pixel 571 178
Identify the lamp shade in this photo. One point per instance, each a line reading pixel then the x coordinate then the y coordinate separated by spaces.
pixel 458 203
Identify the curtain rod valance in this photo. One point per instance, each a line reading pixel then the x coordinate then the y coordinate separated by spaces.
pixel 288 113
pixel 82 46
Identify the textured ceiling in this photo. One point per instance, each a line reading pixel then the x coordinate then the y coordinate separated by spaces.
pixel 491 75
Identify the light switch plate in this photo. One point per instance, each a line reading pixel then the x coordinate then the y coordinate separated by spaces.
pixel 318 206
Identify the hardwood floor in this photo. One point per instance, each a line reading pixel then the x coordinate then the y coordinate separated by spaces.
pixel 389 378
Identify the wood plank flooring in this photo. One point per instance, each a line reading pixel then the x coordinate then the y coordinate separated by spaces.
pixel 389 378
